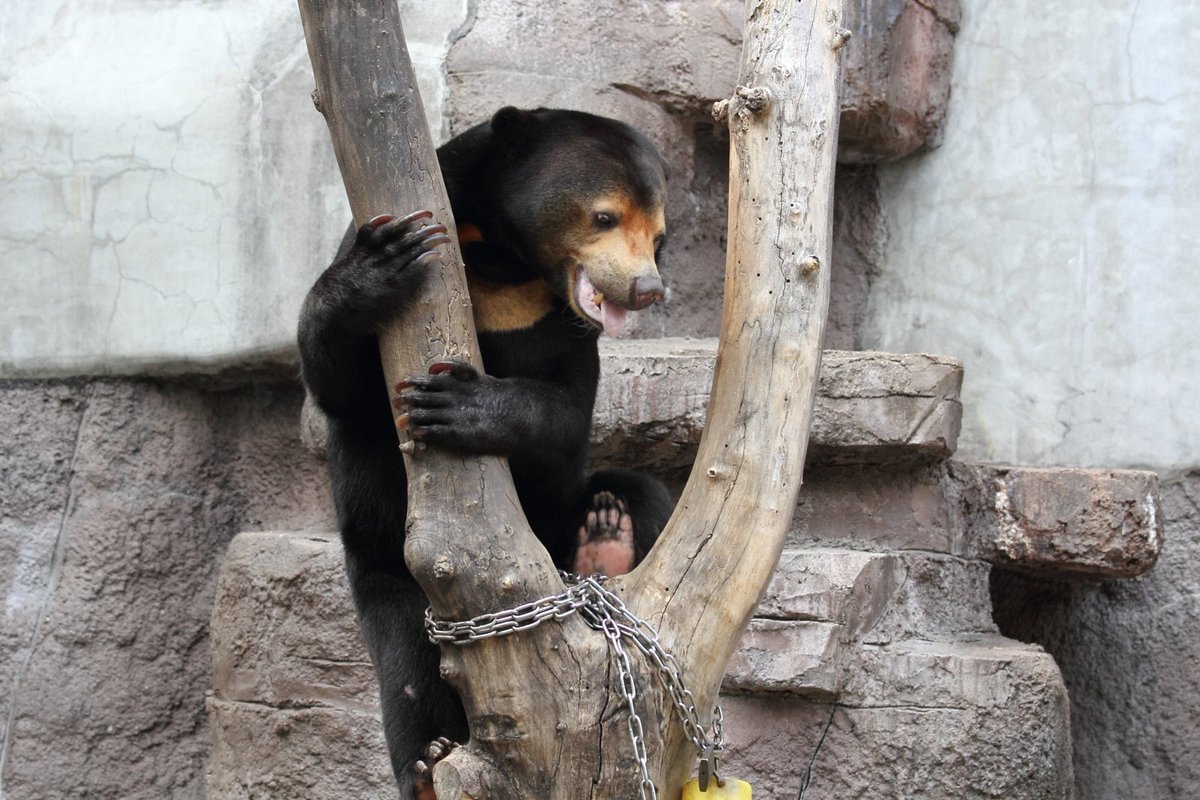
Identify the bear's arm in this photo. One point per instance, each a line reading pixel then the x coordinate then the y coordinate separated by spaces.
pixel 340 366
pixel 376 272
pixel 544 416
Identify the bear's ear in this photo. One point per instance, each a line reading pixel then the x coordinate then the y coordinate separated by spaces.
pixel 512 126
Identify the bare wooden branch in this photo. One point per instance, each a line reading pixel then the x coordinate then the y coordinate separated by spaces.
pixel 543 722
pixel 721 546
pixel 368 94
pixel 468 543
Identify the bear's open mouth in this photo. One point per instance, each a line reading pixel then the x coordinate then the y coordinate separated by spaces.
pixel 600 310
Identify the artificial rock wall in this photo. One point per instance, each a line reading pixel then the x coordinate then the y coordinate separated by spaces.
pixel 119 498
pixel 1050 243
pixel 872 667
pixel 167 195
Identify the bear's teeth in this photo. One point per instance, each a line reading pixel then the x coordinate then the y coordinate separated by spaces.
pixel 598 299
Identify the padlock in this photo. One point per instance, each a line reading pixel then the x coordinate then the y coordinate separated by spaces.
pixel 732 790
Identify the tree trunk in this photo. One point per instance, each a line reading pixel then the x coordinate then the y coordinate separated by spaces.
pixel 547 722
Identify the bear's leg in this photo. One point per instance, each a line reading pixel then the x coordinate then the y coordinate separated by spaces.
pixel 623 516
pixel 418 706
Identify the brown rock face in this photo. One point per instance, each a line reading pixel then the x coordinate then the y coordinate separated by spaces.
pixel 897 77
pixel 119 497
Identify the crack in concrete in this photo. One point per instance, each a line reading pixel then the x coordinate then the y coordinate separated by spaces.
pixel 52 580
pixel 807 780
pixel 950 24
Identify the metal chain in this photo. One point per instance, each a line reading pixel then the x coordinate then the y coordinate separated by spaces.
pixel 612 632
pixel 604 611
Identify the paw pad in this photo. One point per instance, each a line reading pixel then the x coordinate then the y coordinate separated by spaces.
pixel 606 540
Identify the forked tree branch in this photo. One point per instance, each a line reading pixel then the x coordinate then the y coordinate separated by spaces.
pixel 544 723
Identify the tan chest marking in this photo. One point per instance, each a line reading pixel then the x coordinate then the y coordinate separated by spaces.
pixel 508 306
pixel 467 233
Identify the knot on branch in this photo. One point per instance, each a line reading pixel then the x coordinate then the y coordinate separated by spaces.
pixel 754 99
pixel 747 103
pixel 316 100
pixel 839 39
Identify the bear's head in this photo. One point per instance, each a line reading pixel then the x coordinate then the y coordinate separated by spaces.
pixel 583 201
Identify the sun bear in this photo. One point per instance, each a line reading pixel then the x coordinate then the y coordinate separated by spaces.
pixel 560 219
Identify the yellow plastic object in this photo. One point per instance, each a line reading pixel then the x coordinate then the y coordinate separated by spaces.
pixel 732 790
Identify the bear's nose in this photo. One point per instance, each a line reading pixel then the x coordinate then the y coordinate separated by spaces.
pixel 645 290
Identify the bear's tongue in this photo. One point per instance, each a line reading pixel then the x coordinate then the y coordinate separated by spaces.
pixel 610 315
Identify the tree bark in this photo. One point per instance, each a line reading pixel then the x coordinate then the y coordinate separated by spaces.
pixel 546 720
pixel 703 580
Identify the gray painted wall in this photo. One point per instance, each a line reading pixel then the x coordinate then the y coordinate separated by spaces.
pixel 1051 242
pixel 165 200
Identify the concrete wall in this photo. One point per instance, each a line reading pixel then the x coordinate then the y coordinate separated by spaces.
pixel 165 187
pixel 167 195
pixel 1050 243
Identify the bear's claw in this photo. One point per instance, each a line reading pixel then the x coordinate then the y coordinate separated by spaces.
pixel 423 769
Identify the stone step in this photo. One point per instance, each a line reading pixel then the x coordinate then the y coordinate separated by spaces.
pixel 283 629
pixel 1061 523
pixel 871 407
pixel 978 717
pixel 818 601
pixel 291 677
pixel 883 661
pixel 291 674
pixel 824 604
pixel 1064 522
pixel 653 395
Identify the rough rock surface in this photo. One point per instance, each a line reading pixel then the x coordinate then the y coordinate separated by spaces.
pixel 855 666
pixel 871 407
pixel 878 506
pixel 873 673
pixel 678 58
pixel 949 720
pixel 897 77
pixel 1096 522
pixel 1084 523
pixel 41 424
pixel 291 675
pixel 653 396
pixel 819 603
pixel 119 497
pixel 1131 660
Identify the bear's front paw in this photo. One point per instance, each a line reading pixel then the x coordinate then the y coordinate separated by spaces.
pixel 379 265
pixel 454 406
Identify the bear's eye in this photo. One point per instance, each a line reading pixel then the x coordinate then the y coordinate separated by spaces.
pixel 604 220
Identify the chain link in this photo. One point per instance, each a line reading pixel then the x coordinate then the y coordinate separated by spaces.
pixel 604 611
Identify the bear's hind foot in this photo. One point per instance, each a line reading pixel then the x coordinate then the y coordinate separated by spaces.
pixel 423 769
pixel 606 541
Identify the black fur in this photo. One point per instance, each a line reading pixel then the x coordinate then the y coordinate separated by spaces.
pixel 522 180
